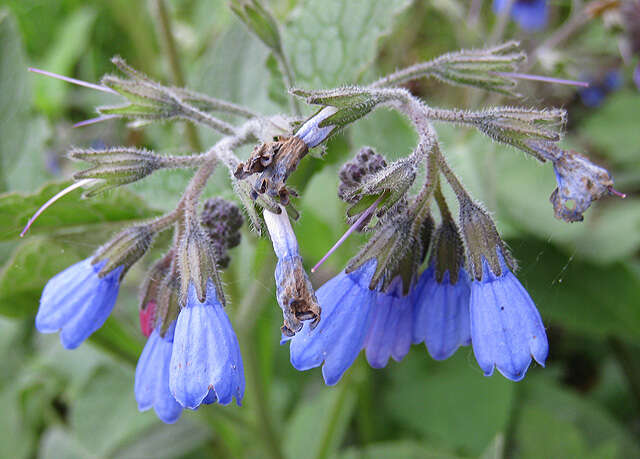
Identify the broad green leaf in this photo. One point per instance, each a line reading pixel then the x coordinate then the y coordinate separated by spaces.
pixel 614 128
pixel 166 441
pixel 25 274
pixel 331 42
pixel 557 423
pixel 16 435
pixel 406 449
pixel 105 415
pixel 70 213
pixel 58 442
pixel 585 297
pixel 14 96
pixel 319 422
pixel 451 403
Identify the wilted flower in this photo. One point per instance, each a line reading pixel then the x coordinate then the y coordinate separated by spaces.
pixel 529 14
pixel 78 301
pixel 206 365
pixel 152 377
pixel 506 328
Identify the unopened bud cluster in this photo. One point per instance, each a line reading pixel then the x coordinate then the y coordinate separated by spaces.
pixel 222 220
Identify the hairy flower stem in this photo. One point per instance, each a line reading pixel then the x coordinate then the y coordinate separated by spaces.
pixel 174 63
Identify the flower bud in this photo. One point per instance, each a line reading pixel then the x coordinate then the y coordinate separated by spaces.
pixel 124 250
pixel 448 251
pixel 150 294
pixel 482 239
pixel 580 182
pixel 389 184
pixel 520 127
pixel 342 107
pixel 197 262
pixel 168 301
pixel 477 68
pixel 115 166
pixel 222 221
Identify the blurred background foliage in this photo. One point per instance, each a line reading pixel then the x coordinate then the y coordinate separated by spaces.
pixel 584 277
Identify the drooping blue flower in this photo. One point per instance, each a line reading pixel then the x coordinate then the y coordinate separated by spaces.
pixel 310 132
pixel 506 328
pixel 152 377
pixel 354 318
pixel 77 301
pixel 206 365
pixel 529 14
pixel 442 313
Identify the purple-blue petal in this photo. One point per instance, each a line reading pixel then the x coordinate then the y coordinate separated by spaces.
pixel 152 377
pixel 506 328
pixel 77 302
pixel 206 355
pixel 346 302
pixel 390 332
pixel 442 313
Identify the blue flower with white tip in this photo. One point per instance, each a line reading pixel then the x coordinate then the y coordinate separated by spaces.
pixel 77 301
pixel 152 377
pixel 206 365
pixel 506 328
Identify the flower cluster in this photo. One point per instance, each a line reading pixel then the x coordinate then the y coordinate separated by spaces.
pixel 385 299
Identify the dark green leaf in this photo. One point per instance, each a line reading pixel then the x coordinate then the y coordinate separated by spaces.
pixel 68 214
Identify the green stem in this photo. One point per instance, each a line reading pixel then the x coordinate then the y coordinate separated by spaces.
pixel 336 412
pixel 174 63
pixel 288 81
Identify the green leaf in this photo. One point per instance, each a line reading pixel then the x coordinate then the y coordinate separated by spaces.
pixel 398 449
pixel 614 128
pixel 25 274
pixel 585 297
pixel 14 96
pixel 114 338
pixel 557 423
pixel 58 442
pixel 68 214
pixel 450 402
pixel 105 416
pixel 68 47
pixel 320 421
pixel 331 42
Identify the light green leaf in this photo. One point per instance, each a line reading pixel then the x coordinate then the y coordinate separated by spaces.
pixel 451 402
pixel 588 298
pixel 319 422
pixel 14 96
pixel 559 423
pixel 105 415
pixel 614 128
pixel 58 442
pixel 331 42
pixel 398 449
pixel 70 213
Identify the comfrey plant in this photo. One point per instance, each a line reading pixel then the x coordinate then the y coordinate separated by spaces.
pixel 383 301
